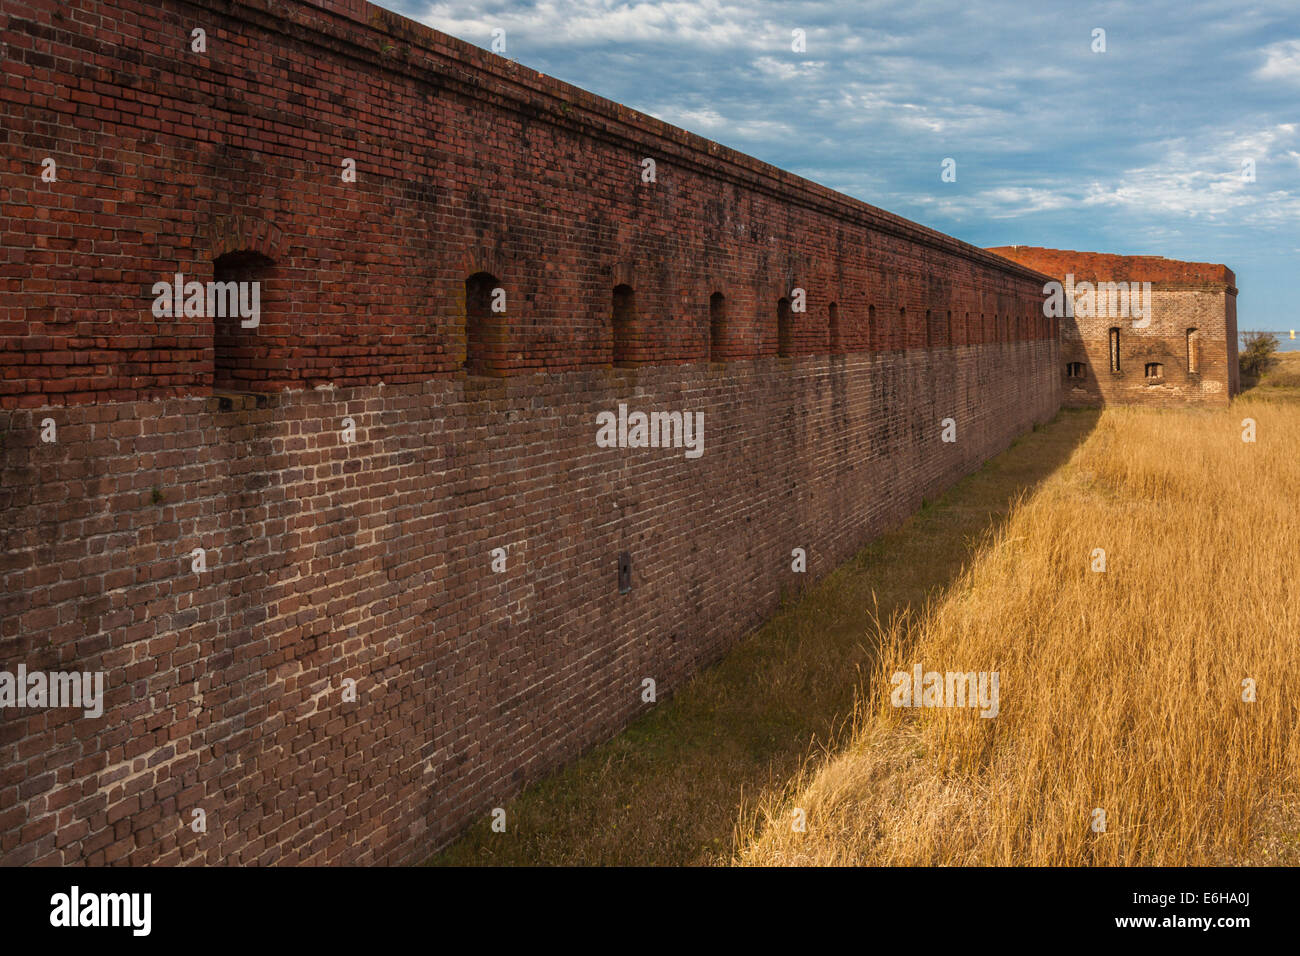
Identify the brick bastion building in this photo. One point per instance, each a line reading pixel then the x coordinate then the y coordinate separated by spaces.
pixel 1184 351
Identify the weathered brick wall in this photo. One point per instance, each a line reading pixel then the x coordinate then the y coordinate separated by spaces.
pixel 329 561
pixel 1186 296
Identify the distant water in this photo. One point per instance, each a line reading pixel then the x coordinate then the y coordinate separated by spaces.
pixel 1284 342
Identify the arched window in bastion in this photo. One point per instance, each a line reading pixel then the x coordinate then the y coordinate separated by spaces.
pixel 1114 350
pixel 1193 351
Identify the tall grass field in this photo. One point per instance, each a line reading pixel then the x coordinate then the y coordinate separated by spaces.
pixel 1148 712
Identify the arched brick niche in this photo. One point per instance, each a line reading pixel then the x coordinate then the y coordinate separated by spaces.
pixel 245 315
pixel 478 331
pixel 254 340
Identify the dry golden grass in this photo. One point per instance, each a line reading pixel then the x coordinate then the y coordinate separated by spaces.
pixel 1119 690
pixel 1284 372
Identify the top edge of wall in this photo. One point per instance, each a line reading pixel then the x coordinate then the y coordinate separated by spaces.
pixel 1107 266
pixel 573 106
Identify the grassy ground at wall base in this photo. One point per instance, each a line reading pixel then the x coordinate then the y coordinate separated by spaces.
pixel 670 788
pixel 1120 690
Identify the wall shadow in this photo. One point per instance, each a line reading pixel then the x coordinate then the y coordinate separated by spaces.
pixel 669 789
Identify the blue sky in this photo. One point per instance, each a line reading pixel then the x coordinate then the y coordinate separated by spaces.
pixel 1137 150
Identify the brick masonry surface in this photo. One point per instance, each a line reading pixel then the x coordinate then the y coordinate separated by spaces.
pixel 1186 354
pixel 330 560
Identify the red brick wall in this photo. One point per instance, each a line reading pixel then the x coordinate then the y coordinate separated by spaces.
pixel 1185 296
pixel 371 560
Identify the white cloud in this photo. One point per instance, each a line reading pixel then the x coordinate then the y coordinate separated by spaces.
pixel 1281 61
pixel 700 121
pixel 1185 182
pixel 1204 179
pixel 787 69
pixel 999 202
pixel 710 123
pixel 708 23
pixel 1034 120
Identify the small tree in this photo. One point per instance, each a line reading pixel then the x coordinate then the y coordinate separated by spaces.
pixel 1257 353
